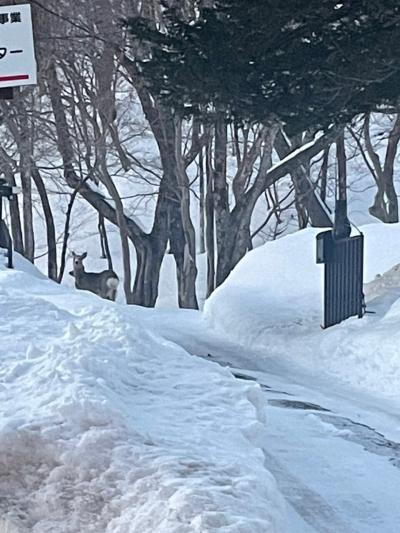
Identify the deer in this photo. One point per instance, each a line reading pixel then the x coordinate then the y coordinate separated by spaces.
pixel 104 284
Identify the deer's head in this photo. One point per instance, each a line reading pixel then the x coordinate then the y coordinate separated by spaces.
pixel 77 261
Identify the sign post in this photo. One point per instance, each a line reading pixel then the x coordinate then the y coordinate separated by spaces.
pixel 6 191
pixel 17 52
pixel 17 68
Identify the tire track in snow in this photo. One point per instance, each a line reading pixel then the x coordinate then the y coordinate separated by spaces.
pixel 316 513
pixel 314 510
pixel 308 504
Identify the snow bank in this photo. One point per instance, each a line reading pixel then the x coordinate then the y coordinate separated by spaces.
pixel 107 427
pixel 273 301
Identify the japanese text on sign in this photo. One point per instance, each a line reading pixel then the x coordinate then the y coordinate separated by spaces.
pixel 17 56
pixel 10 17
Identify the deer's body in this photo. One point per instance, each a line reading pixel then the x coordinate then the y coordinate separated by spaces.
pixel 104 284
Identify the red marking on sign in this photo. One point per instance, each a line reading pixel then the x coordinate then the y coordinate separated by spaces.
pixel 14 78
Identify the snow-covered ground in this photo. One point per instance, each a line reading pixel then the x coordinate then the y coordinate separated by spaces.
pixel 106 426
pixel 273 301
pixel 334 451
pixel 111 423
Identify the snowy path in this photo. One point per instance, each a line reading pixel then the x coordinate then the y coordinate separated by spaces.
pixel 337 473
pixel 335 455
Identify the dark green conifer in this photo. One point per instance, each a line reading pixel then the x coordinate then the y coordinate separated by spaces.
pixel 308 64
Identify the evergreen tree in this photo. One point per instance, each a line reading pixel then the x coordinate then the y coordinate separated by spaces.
pixel 307 64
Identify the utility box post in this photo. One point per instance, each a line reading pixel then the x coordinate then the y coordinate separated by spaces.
pixel 343 276
pixel 6 93
pixel 6 191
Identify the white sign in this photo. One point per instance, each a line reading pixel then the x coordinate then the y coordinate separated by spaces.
pixel 17 53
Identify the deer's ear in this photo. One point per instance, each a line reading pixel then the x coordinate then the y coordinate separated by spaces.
pixel 73 254
pixel 84 256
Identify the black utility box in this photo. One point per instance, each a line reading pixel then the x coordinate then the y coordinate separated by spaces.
pixel 343 277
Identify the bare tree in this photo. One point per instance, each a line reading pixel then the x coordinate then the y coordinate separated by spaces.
pixel 385 206
pixel 309 205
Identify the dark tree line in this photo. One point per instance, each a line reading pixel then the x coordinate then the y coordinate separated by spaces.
pixel 306 64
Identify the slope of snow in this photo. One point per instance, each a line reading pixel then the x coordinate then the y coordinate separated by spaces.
pixel 273 301
pixel 107 427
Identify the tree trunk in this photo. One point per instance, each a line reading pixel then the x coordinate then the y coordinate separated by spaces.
pixel 151 250
pixel 176 186
pixel 186 270
pixel 300 195
pixel 324 175
pixel 391 152
pixel 123 228
pixel 186 265
pixel 221 198
pixel 50 227
pixel 29 238
pixel 25 149
pixel 210 223
pixel 16 229
pixel 236 243
pixel 105 248
pixel 66 232
pixel 149 257
pixel 202 187
pixel 310 205
pixel 385 206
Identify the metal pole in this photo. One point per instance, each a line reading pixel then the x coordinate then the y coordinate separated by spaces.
pixel 9 243
pixel 10 251
pixel 10 255
pixel 341 227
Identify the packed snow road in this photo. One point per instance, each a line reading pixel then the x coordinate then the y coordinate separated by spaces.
pixel 337 473
pixel 334 453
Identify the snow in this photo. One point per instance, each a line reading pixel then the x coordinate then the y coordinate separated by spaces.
pixel 272 301
pixel 108 426
pixel 333 451
pixel 295 153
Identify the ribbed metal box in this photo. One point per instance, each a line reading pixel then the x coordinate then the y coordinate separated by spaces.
pixel 343 276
